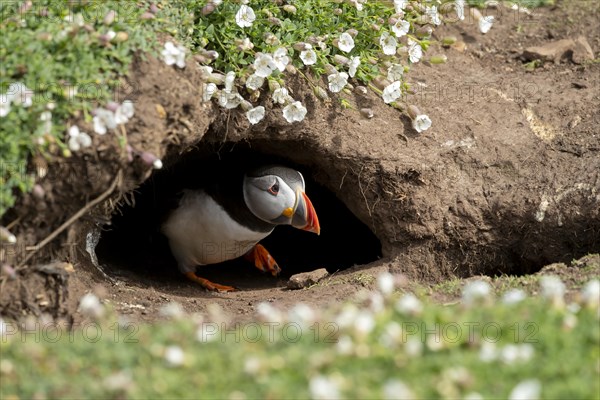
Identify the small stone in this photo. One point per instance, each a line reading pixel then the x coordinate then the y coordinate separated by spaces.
pixel 553 51
pixel 575 121
pixel 577 50
pixel 582 51
pixel 306 279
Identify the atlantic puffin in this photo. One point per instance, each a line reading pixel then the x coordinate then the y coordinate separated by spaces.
pixel 227 219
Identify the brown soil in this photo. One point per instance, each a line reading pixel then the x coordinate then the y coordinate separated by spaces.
pixel 506 181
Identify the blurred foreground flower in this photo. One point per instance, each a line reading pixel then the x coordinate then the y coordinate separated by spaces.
pixel 526 390
pixel 514 296
pixel 90 306
pixel 553 289
pixel 385 283
pixel 174 356
pixel 409 304
pixel 322 387
pixel 476 292
pixel 590 294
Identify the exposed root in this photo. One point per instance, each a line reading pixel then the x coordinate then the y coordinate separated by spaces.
pixel 71 220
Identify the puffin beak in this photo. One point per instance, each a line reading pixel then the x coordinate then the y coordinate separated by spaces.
pixel 305 216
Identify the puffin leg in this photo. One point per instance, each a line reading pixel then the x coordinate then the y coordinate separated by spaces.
pixel 208 284
pixel 263 260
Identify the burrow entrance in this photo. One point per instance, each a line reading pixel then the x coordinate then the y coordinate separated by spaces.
pixel 132 245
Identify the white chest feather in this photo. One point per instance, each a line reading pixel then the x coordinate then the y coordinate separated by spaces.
pixel 200 232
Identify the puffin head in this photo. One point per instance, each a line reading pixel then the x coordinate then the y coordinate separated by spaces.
pixel 275 194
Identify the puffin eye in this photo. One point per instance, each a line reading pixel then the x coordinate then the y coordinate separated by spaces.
pixel 274 189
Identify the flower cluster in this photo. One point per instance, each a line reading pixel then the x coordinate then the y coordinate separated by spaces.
pixel 382 50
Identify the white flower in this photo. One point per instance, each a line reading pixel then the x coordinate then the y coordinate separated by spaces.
pixel 415 52
pixel 385 283
pixel 392 335
pixel 421 123
pixel 396 389
pixel 209 90
pixel 401 27
pixel 322 388
pixel 207 332
pixel 395 72
pixel 229 100
pixel 20 94
pixel 124 112
pixel 552 288
pixel 409 305
pixel 514 296
pixel 174 54
pixel 268 313
pixel 474 291
pixel 413 347
pixel 388 43
pixel 302 313
pixel 281 59
pixel 245 16
pixel 78 140
pixel 264 65
pixel 459 5
pixel 308 57
pixel 514 353
pixel 399 5
pixel 337 81
pixel 103 120
pixel 354 63
pixel 364 323
pixel 357 4
pixel 526 390
pixel 229 81
pixel 255 114
pixel 252 365
pixel 5 100
pixel 111 35
pixel 488 352
pixel 344 345
pixel 280 96
pixel 376 302
pixel 345 42
pixel 485 23
pixel 90 306
pixel 590 294
pixel 294 112
pixel 347 316
pixel 432 12
pixel 174 356
pixel 391 92
pixel 171 309
pixel 254 82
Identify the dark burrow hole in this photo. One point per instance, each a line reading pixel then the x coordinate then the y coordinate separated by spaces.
pixel 132 246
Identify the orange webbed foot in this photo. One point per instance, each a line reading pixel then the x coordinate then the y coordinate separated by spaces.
pixel 263 260
pixel 208 284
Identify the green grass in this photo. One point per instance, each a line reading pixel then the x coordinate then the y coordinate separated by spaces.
pixel 59 50
pixel 131 363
